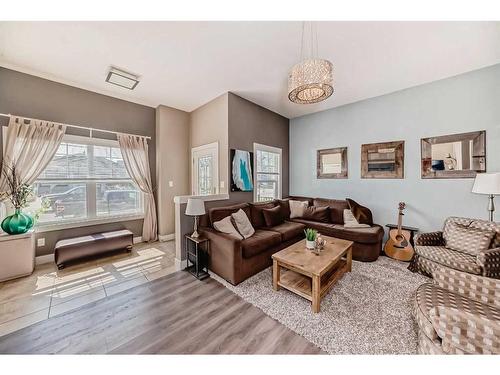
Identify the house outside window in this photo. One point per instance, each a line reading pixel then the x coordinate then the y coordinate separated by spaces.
pixel 268 172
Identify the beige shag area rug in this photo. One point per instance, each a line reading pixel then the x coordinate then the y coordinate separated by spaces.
pixel 369 311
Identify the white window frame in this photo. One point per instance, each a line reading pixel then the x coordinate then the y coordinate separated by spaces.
pixel 209 148
pixel 90 191
pixel 276 150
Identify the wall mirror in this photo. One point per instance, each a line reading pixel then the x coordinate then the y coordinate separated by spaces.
pixel 382 160
pixel 454 156
pixel 332 163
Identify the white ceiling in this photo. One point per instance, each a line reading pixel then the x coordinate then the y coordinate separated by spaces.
pixel 186 64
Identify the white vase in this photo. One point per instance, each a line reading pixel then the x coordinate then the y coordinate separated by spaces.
pixel 310 245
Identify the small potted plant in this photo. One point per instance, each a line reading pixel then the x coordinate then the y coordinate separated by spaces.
pixel 311 235
pixel 18 194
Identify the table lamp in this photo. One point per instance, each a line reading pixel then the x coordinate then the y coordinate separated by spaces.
pixel 195 207
pixel 489 184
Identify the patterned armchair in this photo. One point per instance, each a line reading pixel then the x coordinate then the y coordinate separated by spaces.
pixel 458 313
pixel 478 252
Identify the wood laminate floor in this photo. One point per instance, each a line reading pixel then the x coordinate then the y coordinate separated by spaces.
pixel 175 314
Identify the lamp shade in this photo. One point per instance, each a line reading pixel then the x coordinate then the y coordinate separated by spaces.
pixel 487 183
pixel 195 207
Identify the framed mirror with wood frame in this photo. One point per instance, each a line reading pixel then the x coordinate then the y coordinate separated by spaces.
pixel 332 163
pixel 383 160
pixel 454 156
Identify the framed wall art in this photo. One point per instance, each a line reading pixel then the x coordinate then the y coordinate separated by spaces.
pixel 383 160
pixel 332 163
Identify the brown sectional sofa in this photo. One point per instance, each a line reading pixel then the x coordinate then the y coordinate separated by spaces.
pixel 236 260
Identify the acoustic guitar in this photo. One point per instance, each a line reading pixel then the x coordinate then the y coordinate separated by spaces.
pixel 398 244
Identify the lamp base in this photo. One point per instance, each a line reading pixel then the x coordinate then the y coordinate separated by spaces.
pixel 195 234
pixel 491 207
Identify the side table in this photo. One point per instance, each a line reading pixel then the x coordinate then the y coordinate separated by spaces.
pixel 197 250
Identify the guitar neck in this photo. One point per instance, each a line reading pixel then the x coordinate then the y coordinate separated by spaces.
pixel 400 222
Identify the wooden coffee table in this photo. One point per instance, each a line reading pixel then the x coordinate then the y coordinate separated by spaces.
pixel 309 275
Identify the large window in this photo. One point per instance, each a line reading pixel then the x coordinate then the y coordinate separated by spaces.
pixel 86 180
pixel 267 173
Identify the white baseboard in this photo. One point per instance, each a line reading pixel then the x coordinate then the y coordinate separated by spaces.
pixel 137 240
pixel 180 264
pixel 166 237
pixel 44 259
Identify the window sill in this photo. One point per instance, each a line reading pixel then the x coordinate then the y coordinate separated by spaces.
pixel 49 227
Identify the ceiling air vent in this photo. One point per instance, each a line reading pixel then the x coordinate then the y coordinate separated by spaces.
pixel 121 78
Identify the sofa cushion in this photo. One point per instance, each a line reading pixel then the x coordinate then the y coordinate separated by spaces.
pixel 272 216
pixel 351 222
pixel 302 199
pixel 226 226
pixel 219 213
pixel 336 206
pixel 369 235
pixel 285 208
pixel 289 230
pixel 297 208
pixel 259 242
pixel 468 240
pixel 316 213
pixel 450 258
pixel 242 223
pixel 362 214
pixel 256 215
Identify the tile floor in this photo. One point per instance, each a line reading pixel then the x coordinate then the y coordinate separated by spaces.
pixel 49 292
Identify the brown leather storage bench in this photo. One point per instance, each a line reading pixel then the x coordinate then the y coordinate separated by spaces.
pixel 72 249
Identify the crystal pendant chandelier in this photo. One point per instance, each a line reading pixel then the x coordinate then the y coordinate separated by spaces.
pixel 311 80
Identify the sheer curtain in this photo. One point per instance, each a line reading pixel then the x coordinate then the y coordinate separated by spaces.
pixel 30 147
pixel 135 156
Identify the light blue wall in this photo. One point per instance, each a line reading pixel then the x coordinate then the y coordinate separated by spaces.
pixel 459 104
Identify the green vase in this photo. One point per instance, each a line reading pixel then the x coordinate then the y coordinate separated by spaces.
pixel 17 223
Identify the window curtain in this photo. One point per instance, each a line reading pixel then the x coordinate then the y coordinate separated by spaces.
pixel 30 147
pixel 135 156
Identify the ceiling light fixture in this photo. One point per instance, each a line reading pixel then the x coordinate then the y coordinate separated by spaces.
pixel 311 80
pixel 121 78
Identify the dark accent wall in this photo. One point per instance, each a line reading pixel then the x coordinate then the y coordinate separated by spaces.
pixel 249 123
pixel 26 95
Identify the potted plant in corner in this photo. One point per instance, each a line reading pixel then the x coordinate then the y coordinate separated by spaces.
pixel 311 235
pixel 18 194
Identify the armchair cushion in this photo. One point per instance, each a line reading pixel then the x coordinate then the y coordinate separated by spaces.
pixel 475 332
pixel 429 239
pixel 482 289
pixel 468 240
pixel 429 296
pixel 449 258
pixel 489 260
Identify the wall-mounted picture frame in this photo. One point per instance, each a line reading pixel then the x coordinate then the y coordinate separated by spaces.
pixel 383 160
pixel 332 163
pixel 453 156
pixel 241 170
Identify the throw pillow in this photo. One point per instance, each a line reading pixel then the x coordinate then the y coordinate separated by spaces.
pixel 468 240
pixel 285 208
pixel 243 224
pixel 315 213
pixel 273 216
pixel 297 208
pixel 256 215
pixel 226 226
pixel 362 214
pixel 351 222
